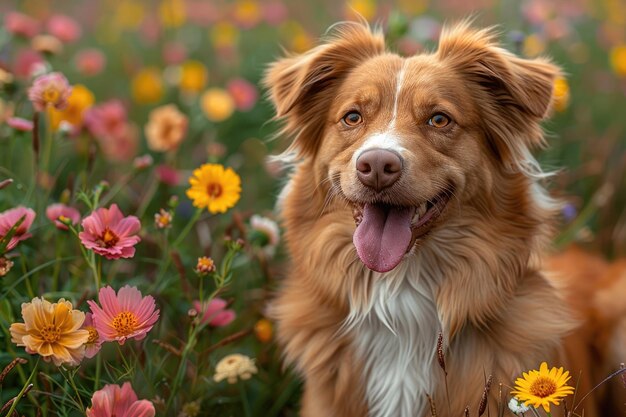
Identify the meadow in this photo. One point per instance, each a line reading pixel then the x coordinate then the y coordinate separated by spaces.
pixel 138 241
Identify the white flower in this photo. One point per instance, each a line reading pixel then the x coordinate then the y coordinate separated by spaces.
pixel 268 228
pixel 234 366
pixel 517 406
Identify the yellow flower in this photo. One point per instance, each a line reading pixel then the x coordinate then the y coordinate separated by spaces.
pixel 224 35
pixel 217 104
pixel 172 13
pixel 297 37
pixel 79 101
pixel 193 77
pixel 617 57
pixel 247 12
pixel 234 366
pixel 147 86
pixel 52 331
pixel 129 14
pixel 533 46
pixel 214 187
pixel 542 387
pixel 166 128
pixel 364 8
pixel 561 94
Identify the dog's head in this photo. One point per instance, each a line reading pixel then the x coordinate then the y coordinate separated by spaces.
pixel 409 141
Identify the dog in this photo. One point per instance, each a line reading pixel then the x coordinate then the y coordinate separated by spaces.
pixel 414 209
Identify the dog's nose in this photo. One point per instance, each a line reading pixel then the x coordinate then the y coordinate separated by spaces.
pixel 378 168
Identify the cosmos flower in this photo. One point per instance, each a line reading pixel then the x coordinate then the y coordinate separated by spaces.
pixel 90 61
pixel 50 90
pixel 542 387
pixel 20 124
pixel 244 93
pixel 214 313
pixel 64 28
pixel 94 342
pixel 9 218
pixel 214 188
pixel 116 401
pixel 52 331
pixel 125 315
pixel 20 24
pixel 58 211
pixel 108 233
pixel 106 119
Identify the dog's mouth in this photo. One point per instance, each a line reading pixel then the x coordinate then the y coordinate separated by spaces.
pixel 385 233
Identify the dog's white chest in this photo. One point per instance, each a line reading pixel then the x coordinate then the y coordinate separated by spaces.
pixel 396 340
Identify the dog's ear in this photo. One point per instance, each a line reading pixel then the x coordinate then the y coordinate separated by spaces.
pixel 514 94
pixel 301 87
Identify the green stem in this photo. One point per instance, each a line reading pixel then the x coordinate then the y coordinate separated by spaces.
pixel 57 266
pixel 19 396
pixel 180 373
pixel 188 227
pixel 73 384
pixel 96 381
pixel 47 150
pixel 244 399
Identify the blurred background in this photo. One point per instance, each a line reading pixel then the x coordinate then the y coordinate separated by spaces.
pixel 148 53
pixel 127 58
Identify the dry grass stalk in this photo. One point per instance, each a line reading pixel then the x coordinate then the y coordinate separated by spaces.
pixel 483 401
pixel 10 366
pixel 433 410
pixel 440 356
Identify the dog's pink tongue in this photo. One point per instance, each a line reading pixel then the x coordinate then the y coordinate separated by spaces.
pixel 383 236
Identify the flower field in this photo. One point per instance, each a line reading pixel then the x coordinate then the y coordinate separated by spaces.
pixel 138 242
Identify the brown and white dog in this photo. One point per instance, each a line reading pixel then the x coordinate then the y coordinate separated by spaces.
pixel 430 157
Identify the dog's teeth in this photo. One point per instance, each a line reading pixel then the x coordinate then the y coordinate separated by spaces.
pixel 416 217
pixel 421 210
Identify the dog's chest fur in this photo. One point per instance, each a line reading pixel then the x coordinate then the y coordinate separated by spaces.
pixel 396 337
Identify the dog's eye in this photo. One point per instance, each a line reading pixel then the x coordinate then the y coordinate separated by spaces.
pixel 439 120
pixel 352 118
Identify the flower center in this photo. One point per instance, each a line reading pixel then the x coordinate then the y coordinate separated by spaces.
pixel 543 387
pixel 125 323
pixel 214 190
pixel 93 334
pixel 108 239
pixel 51 95
pixel 50 333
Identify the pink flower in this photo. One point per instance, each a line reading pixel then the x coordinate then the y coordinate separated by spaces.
pixel 26 62
pixel 244 93
pixel 55 211
pixel 50 89
pixel 20 124
pixel 214 313
pixel 274 13
pixel 20 24
pixel 90 61
pixel 94 343
pixel 9 218
pixel 113 400
pixel 63 27
pixel 107 119
pixel 126 315
pixel 174 53
pixel 121 147
pixel 167 175
pixel 108 233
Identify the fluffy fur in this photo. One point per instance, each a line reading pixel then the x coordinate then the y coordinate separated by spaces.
pixel 363 340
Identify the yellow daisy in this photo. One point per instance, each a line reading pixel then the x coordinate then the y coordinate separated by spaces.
pixel 542 387
pixel 214 187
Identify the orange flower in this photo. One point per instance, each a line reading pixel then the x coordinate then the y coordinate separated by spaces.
pixel 52 331
pixel 166 128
